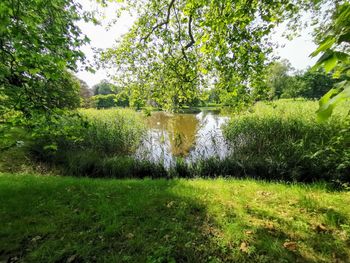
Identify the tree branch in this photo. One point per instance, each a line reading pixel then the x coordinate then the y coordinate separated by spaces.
pixel 165 22
pixel 179 25
pixel 191 43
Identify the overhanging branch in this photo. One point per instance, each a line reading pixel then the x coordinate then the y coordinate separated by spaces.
pixel 165 22
pixel 191 43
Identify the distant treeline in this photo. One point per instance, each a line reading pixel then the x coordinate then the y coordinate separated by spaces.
pixel 279 80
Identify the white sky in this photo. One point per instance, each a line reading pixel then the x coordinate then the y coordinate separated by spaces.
pixel 296 51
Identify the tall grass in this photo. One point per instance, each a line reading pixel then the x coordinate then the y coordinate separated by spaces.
pixel 113 131
pixel 284 140
pixel 81 140
pixel 280 140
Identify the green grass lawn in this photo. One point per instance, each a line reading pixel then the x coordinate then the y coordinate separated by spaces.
pixel 63 219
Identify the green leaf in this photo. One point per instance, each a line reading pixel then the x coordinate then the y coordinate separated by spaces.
pixel 51 147
pixel 325 45
pixel 332 98
pixel 330 63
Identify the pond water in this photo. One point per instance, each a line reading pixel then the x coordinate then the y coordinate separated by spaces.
pixel 190 136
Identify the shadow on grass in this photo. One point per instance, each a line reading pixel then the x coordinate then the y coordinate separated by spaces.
pixel 310 243
pixel 66 220
pixel 83 220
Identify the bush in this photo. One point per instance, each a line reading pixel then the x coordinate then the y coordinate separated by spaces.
pixel 284 141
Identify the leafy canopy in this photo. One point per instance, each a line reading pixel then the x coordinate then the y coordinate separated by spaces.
pixel 39 43
pixel 177 48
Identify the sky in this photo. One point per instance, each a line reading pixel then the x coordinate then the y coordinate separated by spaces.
pixel 296 51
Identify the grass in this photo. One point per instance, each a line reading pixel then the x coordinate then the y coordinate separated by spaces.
pixel 279 140
pixel 84 140
pixel 284 140
pixel 65 219
pixel 114 131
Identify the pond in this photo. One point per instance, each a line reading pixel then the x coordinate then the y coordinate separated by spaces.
pixel 190 136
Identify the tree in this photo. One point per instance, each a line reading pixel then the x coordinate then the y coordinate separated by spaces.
pixel 278 78
pixel 109 95
pixel 110 100
pixel 104 101
pixel 44 95
pixel 281 82
pixel 85 93
pixel 314 84
pixel 39 44
pixel 177 48
pixel 104 88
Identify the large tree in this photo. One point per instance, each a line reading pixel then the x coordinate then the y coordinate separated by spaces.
pixel 278 77
pixel 178 47
pixel 104 88
pixel 39 43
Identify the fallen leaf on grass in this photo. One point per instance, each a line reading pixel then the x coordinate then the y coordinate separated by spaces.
pixel 264 193
pixel 321 228
pixel 249 232
pixel 36 238
pixel 244 247
pixel 130 235
pixel 291 246
pixel 270 226
pixel 170 204
pixel 71 259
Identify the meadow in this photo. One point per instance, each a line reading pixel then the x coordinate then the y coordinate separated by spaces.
pixel 66 219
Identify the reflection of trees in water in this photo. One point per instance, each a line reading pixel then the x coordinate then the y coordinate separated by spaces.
pixel 181 128
pixel 182 131
pixel 158 120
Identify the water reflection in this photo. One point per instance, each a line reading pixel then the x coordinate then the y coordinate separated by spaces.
pixel 190 136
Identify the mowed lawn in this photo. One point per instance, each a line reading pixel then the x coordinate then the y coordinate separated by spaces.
pixel 64 219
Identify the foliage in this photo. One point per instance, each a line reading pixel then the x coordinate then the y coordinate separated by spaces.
pixel 55 132
pixel 39 43
pixel 109 101
pixel 107 95
pixel 176 49
pixel 311 84
pixel 278 78
pixel 63 93
pixel 105 132
pixel 104 88
pixel 283 140
pixel 60 219
pixel 335 50
pixel 282 82
pixel 85 94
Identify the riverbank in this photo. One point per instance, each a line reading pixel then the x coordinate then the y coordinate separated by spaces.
pixel 278 141
pixel 65 219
